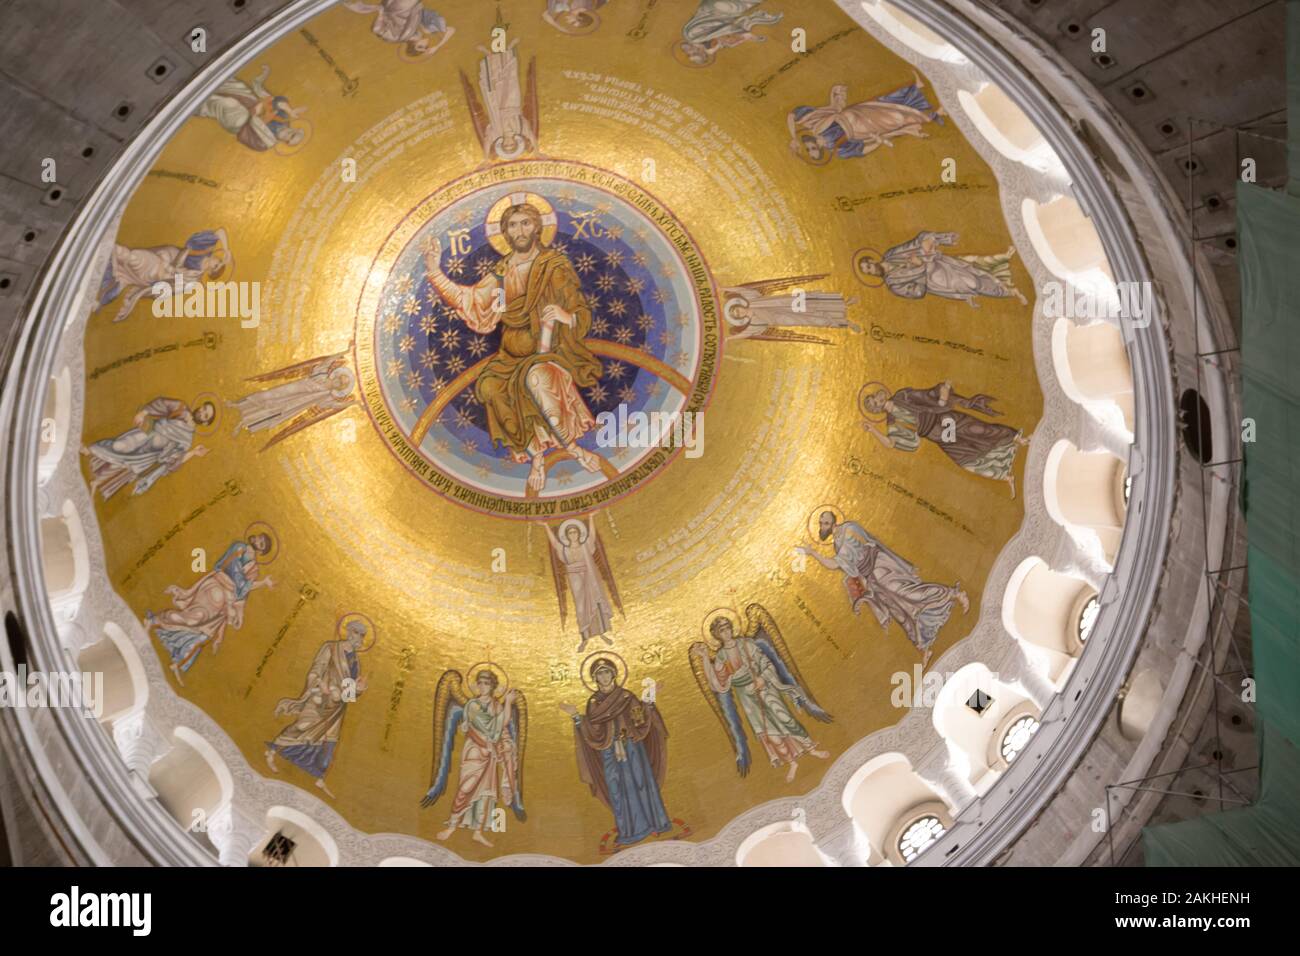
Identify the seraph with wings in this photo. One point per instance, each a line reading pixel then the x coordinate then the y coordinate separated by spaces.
pixel 506 119
pixel 305 394
pixel 451 705
pixel 760 653
pixel 588 540
pixel 749 313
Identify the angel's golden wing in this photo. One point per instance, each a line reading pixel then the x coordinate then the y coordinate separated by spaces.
pixel 298 369
pixel 313 416
pixel 773 286
pixel 450 690
pixel 532 109
pixel 521 741
pixel 477 114
pixel 699 657
pixel 606 572
pixel 561 581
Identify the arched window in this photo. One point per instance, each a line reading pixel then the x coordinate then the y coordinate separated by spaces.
pixel 919 835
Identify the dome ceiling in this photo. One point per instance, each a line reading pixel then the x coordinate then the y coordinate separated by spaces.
pixel 605 340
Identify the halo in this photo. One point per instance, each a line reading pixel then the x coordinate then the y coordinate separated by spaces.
pixel 713 615
pixel 809 141
pixel 351 380
pixel 589 23
pixel 503 680
pixel 619 679
pixel 863 394
pixel 581 526
pixel 345 619
pixel 679 54
pixel 211 426
pixel 492 222
pixel 284 149
pixel 737 324
pixel 816 513
pixel 867 255
pixel 261 527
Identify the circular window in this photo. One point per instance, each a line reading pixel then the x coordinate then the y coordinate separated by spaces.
pixel 1017 737
pixel 918 835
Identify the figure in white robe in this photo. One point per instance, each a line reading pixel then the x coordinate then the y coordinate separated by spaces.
pixel 915 269
pixel 768 309
pixel 506 119
pixel 578 562
pixel 318 389
pixel 717 24
pixel 161 440
pixel 817 134
pixel 140 272
pixel 258 119
pixel 408 22
pixel 491 759
pixel 877 577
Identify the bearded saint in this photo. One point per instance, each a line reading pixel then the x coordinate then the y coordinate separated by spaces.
pixel 889 585
pixel 529 389
pixel 852 130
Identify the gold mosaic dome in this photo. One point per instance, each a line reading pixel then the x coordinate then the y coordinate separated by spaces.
pixel 564 428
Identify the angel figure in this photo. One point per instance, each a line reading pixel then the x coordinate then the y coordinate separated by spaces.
pixel 757 670
pixel 767 309
pixel 491 759
pixel 505 120
pixel 578 559
pixel 316 389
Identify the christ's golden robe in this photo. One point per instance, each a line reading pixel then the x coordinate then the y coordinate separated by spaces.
pixel 515 404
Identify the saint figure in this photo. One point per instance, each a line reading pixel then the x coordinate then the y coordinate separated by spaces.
pixel 718 24
pixel 622 747
pixel 202 612
pixel 258 119
pixel 205 255
pixel 820 133
pixel 161 441
pixel 936 415
pixel 916 269
pixel 407 22
pixel 886 583
pixel 334 681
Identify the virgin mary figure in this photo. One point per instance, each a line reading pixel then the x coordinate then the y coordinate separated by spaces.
pixel 622 747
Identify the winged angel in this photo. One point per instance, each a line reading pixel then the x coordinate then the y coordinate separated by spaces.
pixel 579 564
pixel 755 674
pixel 491 758
pixel 505 120
pixel 769 309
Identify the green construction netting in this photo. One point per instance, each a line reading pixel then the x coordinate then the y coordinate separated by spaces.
pixel 1267 833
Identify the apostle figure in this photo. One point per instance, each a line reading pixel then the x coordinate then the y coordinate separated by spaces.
pixel 770 308
pixel 848 131
pixel 757 670
pixel 912 414
pixel 334 681
pixel 886 583
pixel 916 269
pixel 258 119
pixel 622 747
pixel 161 441
pixel 321 387
pixel 205 255
pixel 574 17
pixel 717 24
pixel 406 21
pixel 578 560
pixel 202 612
pixel 491 759
pixel 529 389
